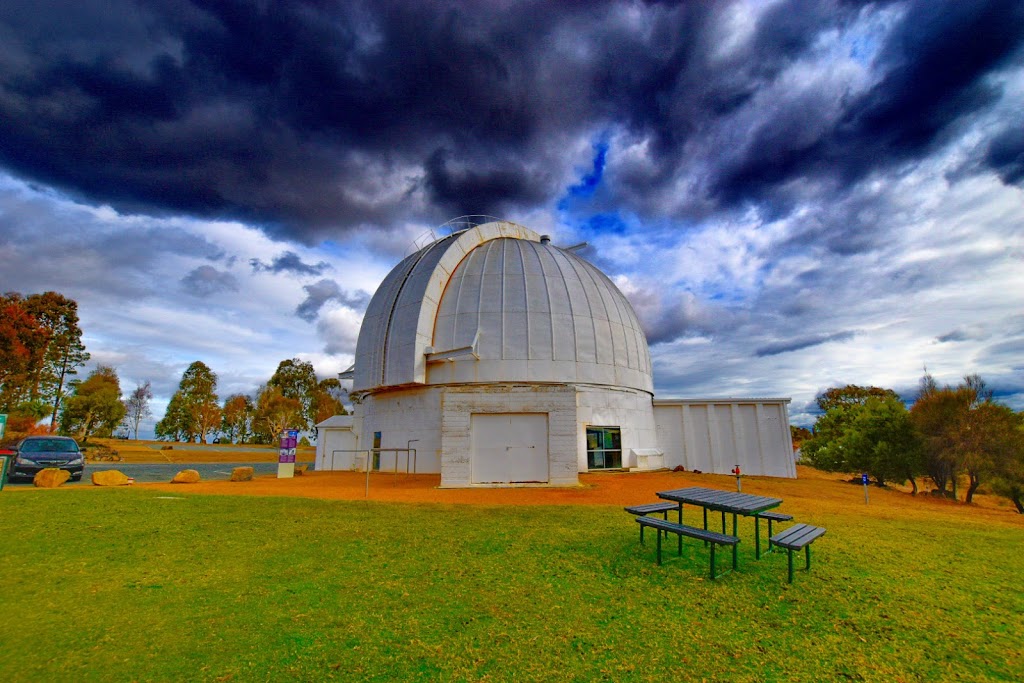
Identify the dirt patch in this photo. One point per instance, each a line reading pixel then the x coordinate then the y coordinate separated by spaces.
pixel 811 492
pixel 594 489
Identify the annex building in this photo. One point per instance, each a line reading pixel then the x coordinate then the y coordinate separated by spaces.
pixel 503 359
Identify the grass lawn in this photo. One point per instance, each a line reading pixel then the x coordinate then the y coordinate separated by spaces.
pixel 134 584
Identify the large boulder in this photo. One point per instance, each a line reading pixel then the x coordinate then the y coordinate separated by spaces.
pixel 241 474
pixel 109 478
pixel 186 477
pixel 300 470
pixel 50 478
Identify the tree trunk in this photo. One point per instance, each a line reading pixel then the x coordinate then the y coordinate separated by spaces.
pixel 913 484
pixel 973 486
pixel 1018 503
pixel 59 392
pixel 83 433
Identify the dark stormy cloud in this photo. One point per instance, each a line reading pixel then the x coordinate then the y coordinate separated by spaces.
pixel 312 116
pixel 289 262
pixel 792 193
pixel 207 280
pixel 323 291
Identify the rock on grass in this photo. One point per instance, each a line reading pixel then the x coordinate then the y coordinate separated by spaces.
pixel 50 478
pixel 186 477
pixel 241 474
pixel 109 478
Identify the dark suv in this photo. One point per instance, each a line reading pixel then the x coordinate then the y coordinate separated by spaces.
pixel 36 453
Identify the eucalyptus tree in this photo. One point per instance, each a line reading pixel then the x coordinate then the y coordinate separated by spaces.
pixel 867 430
pixel 296 380
pixel 237 418
pixel 193 410
pixel 63 351
pixel 94 407
pixel 275 413
pixel 967 433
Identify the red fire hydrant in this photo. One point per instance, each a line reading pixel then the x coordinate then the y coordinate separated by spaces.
pixel 736 471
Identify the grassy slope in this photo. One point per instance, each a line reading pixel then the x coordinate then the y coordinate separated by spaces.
pixel 142 587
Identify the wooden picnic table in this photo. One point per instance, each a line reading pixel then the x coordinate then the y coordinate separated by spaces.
pixel 725 502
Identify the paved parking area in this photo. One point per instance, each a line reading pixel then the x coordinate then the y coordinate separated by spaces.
pixel 163 472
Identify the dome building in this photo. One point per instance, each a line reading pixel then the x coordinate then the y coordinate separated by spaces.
pixel 503 360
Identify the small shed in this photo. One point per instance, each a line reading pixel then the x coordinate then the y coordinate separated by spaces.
pixel 335 444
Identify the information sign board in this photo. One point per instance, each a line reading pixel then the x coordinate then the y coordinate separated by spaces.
pixel 289 442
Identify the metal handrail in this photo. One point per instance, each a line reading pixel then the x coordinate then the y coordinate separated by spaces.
pixel 378 451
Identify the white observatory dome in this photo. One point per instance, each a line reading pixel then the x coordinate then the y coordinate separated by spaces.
pixel 499 304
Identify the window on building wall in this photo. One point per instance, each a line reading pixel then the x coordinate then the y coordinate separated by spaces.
pixel 376 451
pixel 604 448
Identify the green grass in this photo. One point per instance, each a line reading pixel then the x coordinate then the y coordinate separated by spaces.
pixel 125 584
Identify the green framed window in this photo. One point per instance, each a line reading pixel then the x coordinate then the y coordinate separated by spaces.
pixel 604 448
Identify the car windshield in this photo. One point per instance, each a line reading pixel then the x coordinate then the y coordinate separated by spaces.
pixel 49 446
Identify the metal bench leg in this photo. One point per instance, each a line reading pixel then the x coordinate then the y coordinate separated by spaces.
pixel 808 547
pixel 723 521
pixel 790 551
pixel 735 555
pixel 680 513
pixel 641 534
pixel 712 561
pixel 757 537
pixel 705 524
pixel 659 556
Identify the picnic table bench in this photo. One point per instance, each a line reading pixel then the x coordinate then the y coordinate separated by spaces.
pixel 650 509
pixel 713 538
pixel 794 538
pixel 771 517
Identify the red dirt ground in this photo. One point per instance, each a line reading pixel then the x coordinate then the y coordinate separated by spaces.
pixel 594 489
pixel 812 493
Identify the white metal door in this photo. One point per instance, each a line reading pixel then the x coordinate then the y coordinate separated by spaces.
pixel 509 447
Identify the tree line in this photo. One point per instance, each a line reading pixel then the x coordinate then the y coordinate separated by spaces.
pixel 951 435
pixel 292 398
pixel 41 352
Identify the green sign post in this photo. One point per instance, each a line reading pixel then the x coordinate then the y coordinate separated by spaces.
pixel 3 425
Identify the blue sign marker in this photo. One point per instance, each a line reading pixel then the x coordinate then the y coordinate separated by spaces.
pixel 864 479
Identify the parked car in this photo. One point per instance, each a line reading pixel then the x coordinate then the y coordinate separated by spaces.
pixel 35 453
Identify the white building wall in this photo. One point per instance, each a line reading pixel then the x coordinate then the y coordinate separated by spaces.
pixel 401 416
pixel 630 410
pixel 330 440
pixel 716 435
pixel 461 403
